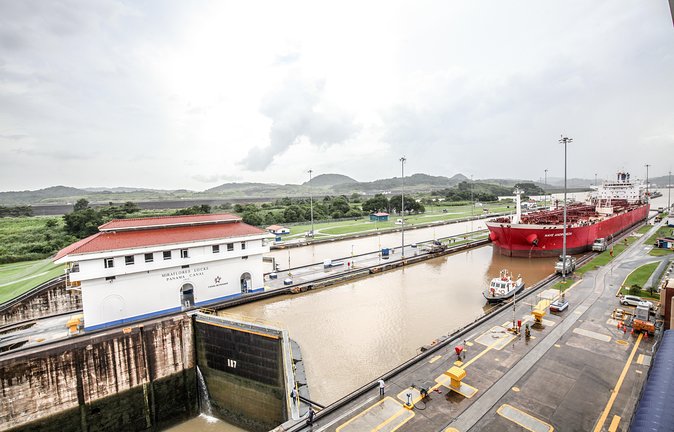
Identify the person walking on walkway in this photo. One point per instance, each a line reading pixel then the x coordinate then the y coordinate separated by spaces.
pixel 381 387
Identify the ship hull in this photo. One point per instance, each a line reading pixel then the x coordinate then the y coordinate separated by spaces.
pixel 528 240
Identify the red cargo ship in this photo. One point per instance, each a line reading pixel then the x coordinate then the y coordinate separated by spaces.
pixel 615 207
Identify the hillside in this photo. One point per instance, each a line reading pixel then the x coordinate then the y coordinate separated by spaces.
pixel 324 180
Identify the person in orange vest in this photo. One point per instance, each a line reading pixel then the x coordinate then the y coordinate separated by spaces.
pixel 610 252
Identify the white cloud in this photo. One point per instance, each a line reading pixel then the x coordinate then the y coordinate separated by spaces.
pixel 187 94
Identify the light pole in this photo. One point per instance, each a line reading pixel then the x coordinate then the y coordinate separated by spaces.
pixel 402 204
pixel 311 204
pixel 545 192
pixel 595 179
pixel 669 192
pixel 564 140
pixel 648 195
pixel 472 204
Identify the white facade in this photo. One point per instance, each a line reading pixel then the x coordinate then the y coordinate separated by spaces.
pixel 129 284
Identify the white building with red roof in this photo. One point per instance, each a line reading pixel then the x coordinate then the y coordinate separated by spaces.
pixel 138 268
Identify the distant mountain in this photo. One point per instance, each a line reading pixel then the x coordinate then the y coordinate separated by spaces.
pixel 228 187
pixel 121 189
pixel 30 197
pixel 413 182
pixel 324 180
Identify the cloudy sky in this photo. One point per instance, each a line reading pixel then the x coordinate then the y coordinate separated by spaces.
pixel 192 94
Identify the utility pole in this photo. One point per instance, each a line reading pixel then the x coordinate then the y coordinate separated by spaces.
pixel 595 179
pixel 669 192
pixel 472 204
pixel 564 140
pixel 311 201
pixel 545 192
pixel 648 195
pixel 402 203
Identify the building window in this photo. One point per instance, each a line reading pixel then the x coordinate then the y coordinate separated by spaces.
pixel 110 278
pixel 244 257
pixel 149 257
pixel 129 260
pixel 243 245
pixel 185 266
pixel 109 262
pixel 230 247
pixel 75 268
pixel 216 248
pixel 183 253
pixel 167 255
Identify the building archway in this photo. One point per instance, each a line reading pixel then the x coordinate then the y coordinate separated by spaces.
pixel 246 283
pixel 187 296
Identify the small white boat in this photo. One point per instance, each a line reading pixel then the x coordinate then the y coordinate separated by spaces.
pixel 503 287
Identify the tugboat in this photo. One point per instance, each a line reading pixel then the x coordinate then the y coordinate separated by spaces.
pixel 503 287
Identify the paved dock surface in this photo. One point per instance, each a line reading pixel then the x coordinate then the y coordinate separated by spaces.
pixel 578 371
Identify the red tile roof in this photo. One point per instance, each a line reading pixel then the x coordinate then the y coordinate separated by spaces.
pixel 121 240
pixel 166 221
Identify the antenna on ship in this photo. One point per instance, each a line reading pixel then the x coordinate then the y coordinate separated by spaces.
pixel 564 140
pixel 518 207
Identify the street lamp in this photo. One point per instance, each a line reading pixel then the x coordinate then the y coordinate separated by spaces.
pixel 564 140
pixel 402 203
pixel 311 204
pixel 648 195
pixel 472 204
pixel 545 192
pixel 669 192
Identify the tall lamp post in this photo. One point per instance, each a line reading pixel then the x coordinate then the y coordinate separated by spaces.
pixel 311 204
pixel 545 192
pixel 472 204
pixel 564 140
pixel 669 192
pixel 648 195
pixel 595 179
pixel 402 203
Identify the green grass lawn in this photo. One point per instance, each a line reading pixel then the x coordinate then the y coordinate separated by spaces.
pixel 433 214
pixel 17 278
pixel 640 275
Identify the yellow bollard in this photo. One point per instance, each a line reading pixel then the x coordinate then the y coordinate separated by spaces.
pixel 455 374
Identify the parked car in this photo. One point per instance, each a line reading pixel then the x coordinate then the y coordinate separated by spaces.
pixel 633 300
pixel 559 305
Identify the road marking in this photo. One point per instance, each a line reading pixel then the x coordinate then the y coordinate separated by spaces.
pixel 558 346
pixel 483 352
pixel 515 389
pixel 346 414
pixel 593 335
pixel 527 421
pixel 614 424
pixel 616 389
pixel 434 359
pixel 387 406
pixel 640 359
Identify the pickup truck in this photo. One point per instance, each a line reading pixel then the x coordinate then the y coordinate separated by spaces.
pixel 599 245
pixel 567 267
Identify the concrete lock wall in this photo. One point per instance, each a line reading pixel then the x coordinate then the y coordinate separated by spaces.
pixel 243 370
pixel 53 299
pixel 135 379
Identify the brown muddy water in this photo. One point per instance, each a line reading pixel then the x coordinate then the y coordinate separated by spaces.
pixel 351 333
